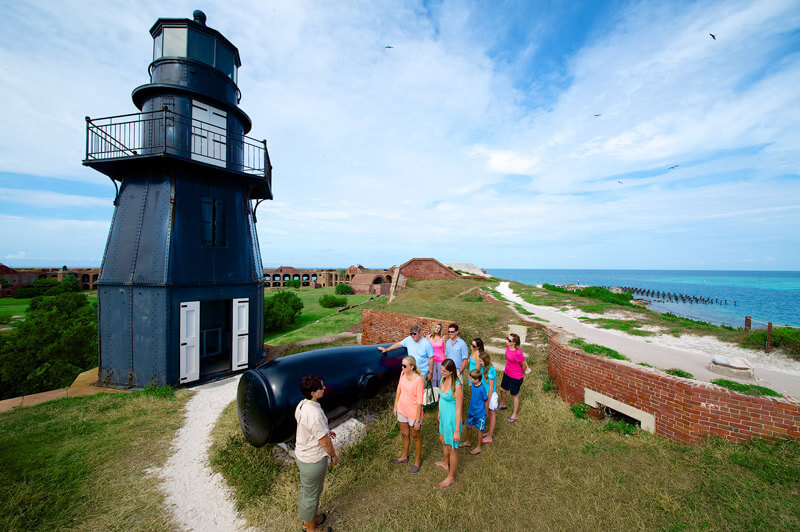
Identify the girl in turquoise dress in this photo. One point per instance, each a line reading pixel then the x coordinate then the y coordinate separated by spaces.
pixel 451 401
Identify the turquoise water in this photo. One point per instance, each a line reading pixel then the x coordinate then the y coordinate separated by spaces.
pixel 766 296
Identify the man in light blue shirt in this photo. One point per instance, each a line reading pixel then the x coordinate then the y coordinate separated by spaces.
pixel 456 350
pixel 418 347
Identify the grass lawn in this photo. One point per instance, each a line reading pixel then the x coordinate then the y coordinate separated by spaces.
pixel 12 307
pixel 79 463
pixel 549 470
pixel 313 311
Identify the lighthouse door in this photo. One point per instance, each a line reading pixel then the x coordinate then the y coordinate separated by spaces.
pixel 241 330
pixel 190 341
pixel 209 134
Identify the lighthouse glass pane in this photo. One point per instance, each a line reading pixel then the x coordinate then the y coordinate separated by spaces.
pixel 225 61
pixel 201 47
pixel 174 42
pixel 157 43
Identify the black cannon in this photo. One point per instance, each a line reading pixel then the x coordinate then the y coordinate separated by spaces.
pixel 268 395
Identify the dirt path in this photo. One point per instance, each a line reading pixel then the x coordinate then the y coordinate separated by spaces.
pixel 689 353
pixel 198 498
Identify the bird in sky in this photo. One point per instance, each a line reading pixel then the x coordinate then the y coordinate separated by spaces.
pixel 388 46
pixel 598 114
pixel 620 182
pixel 673 167
pixel 713 36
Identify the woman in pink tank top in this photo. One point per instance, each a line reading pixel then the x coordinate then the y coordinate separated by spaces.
pixel 437 341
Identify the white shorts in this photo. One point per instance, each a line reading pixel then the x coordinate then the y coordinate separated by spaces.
pixel 493 401
pixel 403 419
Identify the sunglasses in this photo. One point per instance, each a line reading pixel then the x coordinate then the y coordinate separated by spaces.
pixel 405 365
pixel 451 332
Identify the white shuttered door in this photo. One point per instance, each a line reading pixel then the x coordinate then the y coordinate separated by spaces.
pixel 241 330
pixel 190 341
pixel 209 134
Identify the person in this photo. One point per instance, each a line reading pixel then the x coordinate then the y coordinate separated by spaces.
pixel 490 384
pixel 437 342
pixel 313 448
pixel 418 347
pixel 477 411
pixel 451 401
pixel 456 350
pixel 514 371
pixel 408 410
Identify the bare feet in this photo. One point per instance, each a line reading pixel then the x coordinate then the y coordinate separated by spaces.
pixel 443 466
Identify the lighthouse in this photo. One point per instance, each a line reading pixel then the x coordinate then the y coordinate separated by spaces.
pixel 180 293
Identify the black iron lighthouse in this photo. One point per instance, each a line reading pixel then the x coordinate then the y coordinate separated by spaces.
pixel 180 292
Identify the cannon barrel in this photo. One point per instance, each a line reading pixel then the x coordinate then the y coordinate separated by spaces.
pixel 268 395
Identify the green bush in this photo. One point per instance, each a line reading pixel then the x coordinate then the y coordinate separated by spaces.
pixel 281 310
pixel 596 349
pixel 344 289
pixel 679 373
pixel 332 301
pixel 787 338
pixel 294 283
pixel 622 427
pixel 48 287
pixel 547 384
pixel 595 292
pixel 581 410
pixel 747 389
pixel 56 342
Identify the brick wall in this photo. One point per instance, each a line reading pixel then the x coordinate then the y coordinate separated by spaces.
pixel 427 269
pixel 382 327
pixel 685 410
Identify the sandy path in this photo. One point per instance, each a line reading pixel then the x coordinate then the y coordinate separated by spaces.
pixel 689 353
pixel 199 498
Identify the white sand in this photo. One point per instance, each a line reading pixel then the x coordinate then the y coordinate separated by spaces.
pixel 199 498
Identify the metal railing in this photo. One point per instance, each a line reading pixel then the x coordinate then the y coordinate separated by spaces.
pixel 167 132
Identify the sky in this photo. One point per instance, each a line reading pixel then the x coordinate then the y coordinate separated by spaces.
pixel 583 134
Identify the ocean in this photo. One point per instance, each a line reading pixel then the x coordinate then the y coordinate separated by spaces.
pixel 765 296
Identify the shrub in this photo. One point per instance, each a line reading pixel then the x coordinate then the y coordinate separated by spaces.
pixel 747 389
pixel 56 342
pixel 547 384
pixel 344 289
pixel 679 373
pixel 294 283
pixel 581 410
pixel 281 310
pixel 596 349
pixel 787 338
pixel 622 427
pixel 595 292
pixel 48 287
pixel 332 301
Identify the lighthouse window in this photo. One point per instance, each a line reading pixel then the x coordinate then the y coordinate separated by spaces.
pixel 212 220
pixel 201 47
pixel 157 44
pixel 174 42
pixel 225 62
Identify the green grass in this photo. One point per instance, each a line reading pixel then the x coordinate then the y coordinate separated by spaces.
pixel 628 326
pixel 522 310
pixel 786 338
pixel 679 373
pixel 79 463
pixel 13 307
pixel 596 349
pixel 313 311
pixel 747 389
pixel 548 470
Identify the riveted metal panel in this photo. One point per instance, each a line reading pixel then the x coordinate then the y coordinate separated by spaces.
pixel 149 336
pixel 150 260
pixel 116 361
pixel 120 256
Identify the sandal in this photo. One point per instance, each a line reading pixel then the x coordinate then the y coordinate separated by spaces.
pixel 398 461
pixel 473 453
pixel 512 419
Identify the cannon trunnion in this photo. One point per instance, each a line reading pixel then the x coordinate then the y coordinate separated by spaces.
pixel 268 395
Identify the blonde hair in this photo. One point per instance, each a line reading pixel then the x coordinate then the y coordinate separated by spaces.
pixel 487 363
pixel 433 329
pixel 413 361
